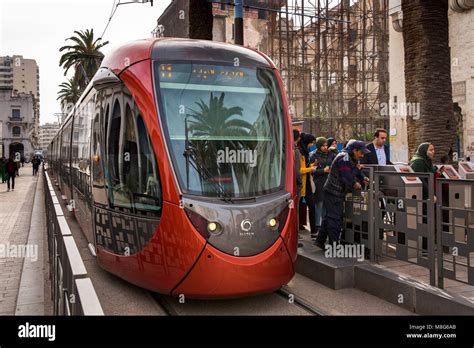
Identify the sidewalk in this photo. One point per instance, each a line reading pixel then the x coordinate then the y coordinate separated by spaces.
pixel 15 218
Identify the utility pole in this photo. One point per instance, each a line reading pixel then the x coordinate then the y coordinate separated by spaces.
pixel 239 22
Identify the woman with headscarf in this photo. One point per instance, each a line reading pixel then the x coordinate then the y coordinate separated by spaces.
pixel 306 169
pixel 421 162
pixel 332 145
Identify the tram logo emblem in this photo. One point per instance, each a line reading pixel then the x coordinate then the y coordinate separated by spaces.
pixel 246 225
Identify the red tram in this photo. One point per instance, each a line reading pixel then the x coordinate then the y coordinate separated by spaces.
pixel 178 159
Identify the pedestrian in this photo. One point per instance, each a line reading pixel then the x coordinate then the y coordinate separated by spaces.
pixel 345 175
pixel 299 184
pixel 3 169
pixel 324 158
pixel 22 160
pixel 378 149
pixel 306 169
pixel 36 163
pixel 421 162
pixel 302 209
pixel 16 159
pixel 332 145
pixel 12 170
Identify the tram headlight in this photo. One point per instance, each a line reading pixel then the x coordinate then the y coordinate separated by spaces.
pixel 273 223
pixel 214 227
pixel 202 225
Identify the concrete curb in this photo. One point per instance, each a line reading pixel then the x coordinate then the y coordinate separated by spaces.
pixel 30 299
pixel 333 273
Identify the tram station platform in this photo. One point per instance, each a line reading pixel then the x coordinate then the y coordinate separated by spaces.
pixel 401 283
pixel 386 287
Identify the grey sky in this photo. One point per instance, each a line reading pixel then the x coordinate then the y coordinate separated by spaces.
pixel 36 29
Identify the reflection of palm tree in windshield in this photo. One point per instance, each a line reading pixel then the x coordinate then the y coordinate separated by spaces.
pixel 218 128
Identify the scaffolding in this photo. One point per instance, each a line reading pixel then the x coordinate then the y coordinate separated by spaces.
pixel 333 57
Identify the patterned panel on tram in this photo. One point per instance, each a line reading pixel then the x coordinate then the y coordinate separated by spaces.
pixel 123 227
pixel 102 229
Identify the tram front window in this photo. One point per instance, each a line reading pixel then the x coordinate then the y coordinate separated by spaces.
pixel 224 128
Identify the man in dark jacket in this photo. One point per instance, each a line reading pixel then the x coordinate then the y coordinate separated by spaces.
pixel 344 176
pixel 378 150
pixel 12 170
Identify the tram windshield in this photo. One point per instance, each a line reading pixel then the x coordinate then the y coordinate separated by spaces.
pixel 224 128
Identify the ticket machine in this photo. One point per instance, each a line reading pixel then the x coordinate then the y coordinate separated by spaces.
pixel 412 188
pixel 400 214
pixel 466 172
pixel 460 195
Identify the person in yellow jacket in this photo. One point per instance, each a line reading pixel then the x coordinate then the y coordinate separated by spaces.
pixel 308 186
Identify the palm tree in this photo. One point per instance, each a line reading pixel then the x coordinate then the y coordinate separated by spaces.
pixel 84 55
pixel 215 119
pixel 216 125
pixel 428 74
pixel 70 91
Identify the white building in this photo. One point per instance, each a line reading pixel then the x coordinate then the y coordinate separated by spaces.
pixel 22 76
pixel 461 42
pixel 17 123
pixel 46 134
pixel 19 74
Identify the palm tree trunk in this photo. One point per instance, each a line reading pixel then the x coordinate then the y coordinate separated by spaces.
pixel 200 20
pixel 428 74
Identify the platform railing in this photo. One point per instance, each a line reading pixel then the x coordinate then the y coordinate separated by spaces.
pixel 72 291
pixel 455 230
pixel 436 232
pixel 404 226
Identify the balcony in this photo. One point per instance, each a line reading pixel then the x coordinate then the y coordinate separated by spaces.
pixel 16 120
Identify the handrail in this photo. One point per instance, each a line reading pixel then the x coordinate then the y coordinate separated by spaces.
pixel 72 291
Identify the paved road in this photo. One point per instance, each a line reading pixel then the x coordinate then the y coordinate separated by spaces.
pixel 15 215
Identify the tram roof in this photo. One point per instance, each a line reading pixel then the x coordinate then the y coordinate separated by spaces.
pixel 179 49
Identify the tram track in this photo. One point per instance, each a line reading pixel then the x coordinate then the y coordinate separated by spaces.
pixel 299 301
pixel 238 306
pixel 164 304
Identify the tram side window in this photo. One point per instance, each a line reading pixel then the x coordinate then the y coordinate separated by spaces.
pixel 130 152
pixel 113 148
pixel 133 180
pixel 149 195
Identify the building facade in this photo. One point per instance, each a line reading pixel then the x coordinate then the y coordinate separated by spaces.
pixel 17 123
pixel 22 76
pixel 461 42
pixel 46 134
pixel 177 21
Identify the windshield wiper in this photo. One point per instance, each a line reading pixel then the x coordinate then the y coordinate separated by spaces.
pixel 189 154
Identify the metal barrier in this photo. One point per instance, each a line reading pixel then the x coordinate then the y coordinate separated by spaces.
pixel 436 235
pixel 358 217
pixel 71 291
pixel 405 224
pixel 455 230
